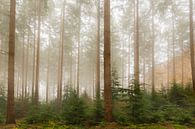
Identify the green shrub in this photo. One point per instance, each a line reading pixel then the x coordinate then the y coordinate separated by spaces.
pixel 73 109
pixel 177 95
pixel 43 114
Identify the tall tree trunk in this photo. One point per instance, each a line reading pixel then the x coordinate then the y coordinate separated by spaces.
pixel 136 45
pixel 192 43
pixel 144 64
pixel 34 53
pixel 78 54
pixel 48 72
pixel 129 58
pixel 153 49
pixel 122 63
pixel 182 62
pixel 34 63
pixel 107 63
pixel 61 62
pixel 71 84
pixel 173 40
pixel 38 56
pixel 168 64
pixel 23 67
pixel 98 53
pixel 10 119
pixel 26 74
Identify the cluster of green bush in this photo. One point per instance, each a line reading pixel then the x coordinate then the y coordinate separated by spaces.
pixel 2 104
pixel 175 105
pixel 129 106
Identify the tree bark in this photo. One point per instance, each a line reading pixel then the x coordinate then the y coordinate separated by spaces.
pixel 136 45
pixel 98 53
pixel 10 119
pixel 26 74
pixel 107 63
pixel 48 72
pixel 38 56
pixel 173 40
pixel 23 53
pixel 153 49
pixel 61 61
pixel 78 51
pixel 192 43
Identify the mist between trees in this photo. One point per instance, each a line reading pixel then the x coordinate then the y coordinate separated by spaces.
pixel 127 61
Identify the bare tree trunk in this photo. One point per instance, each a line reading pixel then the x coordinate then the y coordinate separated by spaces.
pixel 78 54
pixel 129 58
pixel 26 74
pixel 107 63
pixel 136 45
pixel 71 68
pixel 168 64
pixel 144 64
pixel 23 53
pixel 38 56
pixel 173 40
pixel 34 53
pixel 10 119
pixel 60 81
pixel 182 62
pixel 153 49
pixel 192 43
pixel 122 63
pixel 98 53
pixel 48 72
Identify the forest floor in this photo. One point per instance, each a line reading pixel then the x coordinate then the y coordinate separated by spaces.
pixel 102 126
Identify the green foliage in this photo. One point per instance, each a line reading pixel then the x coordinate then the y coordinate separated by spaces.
pixel 42 114
pixel 2 104
pixel 176 105
pixel 177 95
pixel 98 110
pixel 22 106
pixel 138 106
pixel 73 109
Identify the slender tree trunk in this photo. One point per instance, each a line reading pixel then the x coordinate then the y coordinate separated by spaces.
pixel 38 56
pixel 60 81
pixel 168 64
pixel 34 55
pixel 98 53
pixel 129 58
pixel 10 119
pixel 122 63
pixel 107 63
pixel 136 45
pixel 182 62
pixel 153 49
pixel 48 73
pixel 144 64
pixel 192 43
pixel 173 40
pixel 78 54
pixel 26 74
pixel 71 84
pixel 23 53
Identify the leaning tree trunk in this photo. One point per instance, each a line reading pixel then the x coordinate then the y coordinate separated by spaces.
pixel 107 63
pixel 10 119
pixel 192 43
